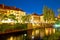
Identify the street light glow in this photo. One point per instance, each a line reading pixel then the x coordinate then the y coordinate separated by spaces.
pixel 56 25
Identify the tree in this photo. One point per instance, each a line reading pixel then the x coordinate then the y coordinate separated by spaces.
pixel 25 18
pixel 28 18
pixel 52 15
pixel 58 17
pixel 12 17
pixel 45 12
pixel 5 18
pixel 59 10
pixel 58 14
pixel 1 16
pixel 48 14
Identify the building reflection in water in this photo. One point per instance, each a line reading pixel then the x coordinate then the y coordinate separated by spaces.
pixel 32 34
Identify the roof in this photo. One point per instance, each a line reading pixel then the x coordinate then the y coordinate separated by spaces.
pixel 41 15
pixel 55 17
pixel 9 7
pixel 35 14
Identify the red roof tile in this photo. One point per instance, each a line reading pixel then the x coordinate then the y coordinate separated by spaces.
pixel 35 14
pixel 9 7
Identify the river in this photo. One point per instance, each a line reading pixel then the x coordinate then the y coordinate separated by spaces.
pixel 35 34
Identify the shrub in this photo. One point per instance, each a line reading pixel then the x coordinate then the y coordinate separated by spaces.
pixel 8 27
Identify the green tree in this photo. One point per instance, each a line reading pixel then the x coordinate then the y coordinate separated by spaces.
pixel 58 10
pixel 48 14
pixel 1 16
pixel 5 18
pixel 58 14
pixel 28 18
pixel 25 18
pixel 12 17
pixel 45 13
pixel 52 15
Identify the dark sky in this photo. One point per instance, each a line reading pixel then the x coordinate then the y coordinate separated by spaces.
pixel 31 6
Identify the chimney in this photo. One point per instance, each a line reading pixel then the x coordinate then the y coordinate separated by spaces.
pixel 14 7
pixel 3 5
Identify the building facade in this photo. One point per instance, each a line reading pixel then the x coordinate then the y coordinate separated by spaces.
pixel 7 10
pixel 42 19
pixel 35 18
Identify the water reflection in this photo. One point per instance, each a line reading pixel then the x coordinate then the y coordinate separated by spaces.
pixel 35 34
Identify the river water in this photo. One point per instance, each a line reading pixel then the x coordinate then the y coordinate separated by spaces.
pixel 35 34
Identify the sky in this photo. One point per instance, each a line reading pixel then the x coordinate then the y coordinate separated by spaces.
pixel 33 6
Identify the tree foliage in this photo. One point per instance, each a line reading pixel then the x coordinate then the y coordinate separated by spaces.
pixel 5 17
pixel 26 18
pixel 11 16
pixel 48 14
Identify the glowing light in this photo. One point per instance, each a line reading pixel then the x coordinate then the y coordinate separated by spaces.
pixel 32 37
pixel 25 34
pixel 56 25
pixel 33 33
pixel 11 38
pixel 46 31
pixel 53 30
pixel 37 31
pixel 7 21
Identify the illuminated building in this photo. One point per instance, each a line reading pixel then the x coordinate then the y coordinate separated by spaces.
pixel 42 19
pixel 7 10
pixel 35 18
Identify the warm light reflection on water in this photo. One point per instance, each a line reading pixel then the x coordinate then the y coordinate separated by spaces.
pixel 11 38
pixel 32 34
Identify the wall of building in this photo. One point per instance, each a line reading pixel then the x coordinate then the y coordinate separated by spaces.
pixel 17 13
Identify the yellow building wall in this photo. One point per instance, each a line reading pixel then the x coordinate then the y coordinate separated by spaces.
pixel 35 19
pixel 42 19
pixel 17 13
